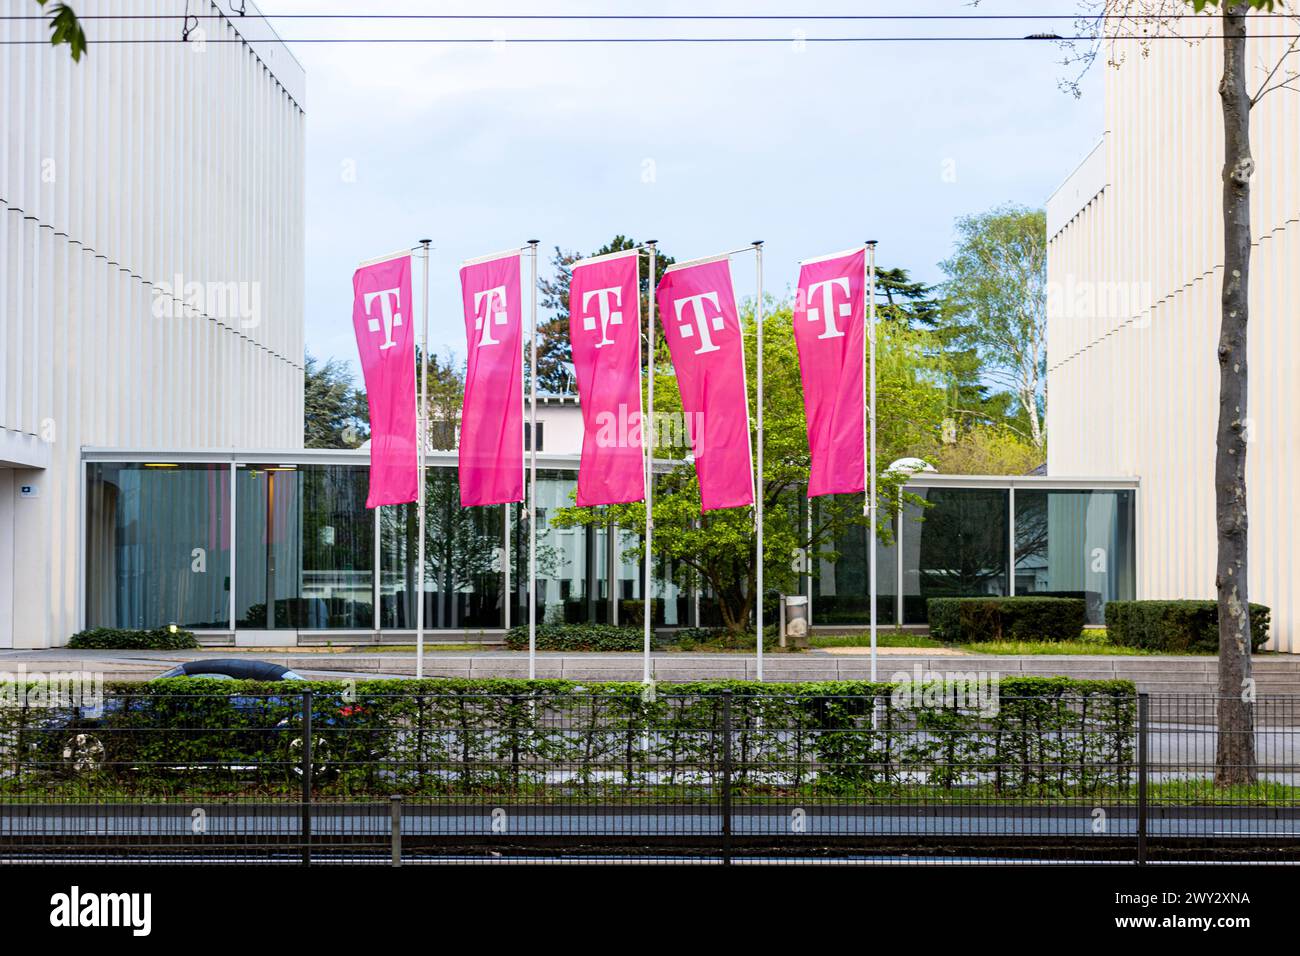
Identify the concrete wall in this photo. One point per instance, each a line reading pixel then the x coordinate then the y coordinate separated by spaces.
pixel 1135 269
pixel 141 176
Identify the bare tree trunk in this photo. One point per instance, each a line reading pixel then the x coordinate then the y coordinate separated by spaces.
pixel 1235 759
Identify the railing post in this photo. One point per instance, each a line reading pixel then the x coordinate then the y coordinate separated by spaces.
pixel 1144 733
pixel 306 777
pixel 395 806
pixel 726 777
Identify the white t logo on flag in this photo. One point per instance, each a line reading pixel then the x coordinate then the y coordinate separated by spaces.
pixel 702 323
pixel 827 313
pixel 391 318
pixel 606 299
pixel 495 300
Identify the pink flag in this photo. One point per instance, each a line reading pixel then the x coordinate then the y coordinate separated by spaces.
pixel 381 317
pixel 698 308
pixel 492 420
pixel 829 327
pixel 605 333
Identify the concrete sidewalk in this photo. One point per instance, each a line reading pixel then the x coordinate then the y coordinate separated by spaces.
pixel 1275 674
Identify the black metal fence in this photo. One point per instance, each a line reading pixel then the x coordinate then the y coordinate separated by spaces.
pixel 777 776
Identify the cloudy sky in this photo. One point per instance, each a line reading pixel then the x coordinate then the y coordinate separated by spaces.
pixel 809 146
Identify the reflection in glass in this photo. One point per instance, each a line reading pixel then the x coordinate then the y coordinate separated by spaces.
pixel 842 588
pixel 157 545
pixel 956 547
pixel 1075 544
pixel 463 579
pixel 305 547
pixel 572 563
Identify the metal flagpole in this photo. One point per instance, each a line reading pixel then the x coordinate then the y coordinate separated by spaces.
pixel 758 478
pixel 421 434
pixel 870 503
pixel 647 439
pixel 532 466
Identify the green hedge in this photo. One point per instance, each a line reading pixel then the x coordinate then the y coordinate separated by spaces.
pixel 119 638
pixel 1177 625
pixel 466 739
pixel 578 637
pixel 974 620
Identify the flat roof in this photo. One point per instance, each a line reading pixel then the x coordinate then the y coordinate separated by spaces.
pixel 448 457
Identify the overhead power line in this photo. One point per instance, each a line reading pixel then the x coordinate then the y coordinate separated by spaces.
pixel 487 41
pixel 728 17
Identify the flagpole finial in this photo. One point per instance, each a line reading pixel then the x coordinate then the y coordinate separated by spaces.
pixel 871 243
pixel 533 242
pixel 425 242
pixel 756 243
pixel 652 242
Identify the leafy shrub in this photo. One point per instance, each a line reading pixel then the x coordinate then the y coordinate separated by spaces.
pixel 120 638
pixel 1177 625
pixel 972 620
pixel 720 639
pixel 467 738
pixel 578 637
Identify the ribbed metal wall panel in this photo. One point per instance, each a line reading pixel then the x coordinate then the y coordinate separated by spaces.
pixel 1137 394
pixel 141 163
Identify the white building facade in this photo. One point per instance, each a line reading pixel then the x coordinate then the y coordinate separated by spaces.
pixel 151 271
pixel 1135 269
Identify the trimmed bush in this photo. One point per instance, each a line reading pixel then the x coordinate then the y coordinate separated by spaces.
pixel 975 620
pixel 468 739
pixel 578 637
pixel 125 639
pixel 1177 625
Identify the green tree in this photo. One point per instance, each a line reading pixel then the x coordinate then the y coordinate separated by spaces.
pixel 66 28
pixel 717 548
pixel 335 412
pixel 973 405
pixel 554 355
pixel 995 304
pixel 901 299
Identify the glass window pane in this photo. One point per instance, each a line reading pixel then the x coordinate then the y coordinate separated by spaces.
pixel 841 588
pixel 956 547
pixel 306 548
pixel 1076 544
pixel 463 579
pixel 157 545
pixel 572 575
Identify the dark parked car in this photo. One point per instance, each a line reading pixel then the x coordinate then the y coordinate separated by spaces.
pixel 256 732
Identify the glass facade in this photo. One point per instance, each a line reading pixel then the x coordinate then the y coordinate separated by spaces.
pixel 309 556
pixel 1076 544
pixel 305 551
pixel 841 587
pixel 956 545
pixel 574 565
pixel 463 578
pixel 157 545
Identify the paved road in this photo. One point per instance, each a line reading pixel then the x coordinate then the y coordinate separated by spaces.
pixel 1276 674
pixel 489 821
